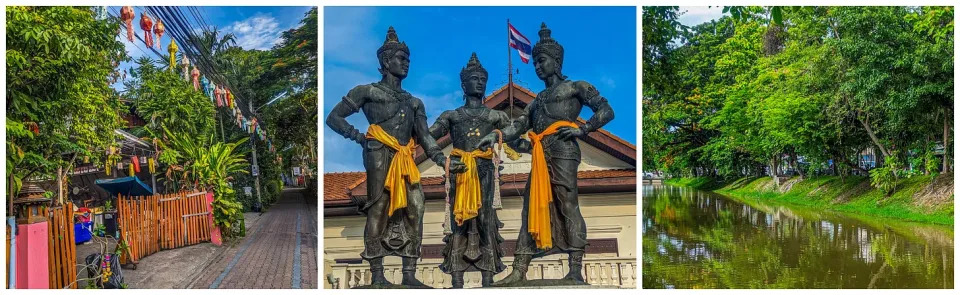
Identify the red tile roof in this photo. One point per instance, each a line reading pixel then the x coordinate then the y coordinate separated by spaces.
pixel 602 139
pixel 336 186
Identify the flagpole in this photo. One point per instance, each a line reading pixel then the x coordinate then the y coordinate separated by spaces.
pixel 509 69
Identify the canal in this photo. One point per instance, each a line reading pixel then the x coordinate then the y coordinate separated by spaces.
pixel 700 239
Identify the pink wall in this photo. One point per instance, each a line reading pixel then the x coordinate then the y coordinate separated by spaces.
pixel 215 230
pixel 33 256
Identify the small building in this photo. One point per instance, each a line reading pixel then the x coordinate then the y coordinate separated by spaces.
pixel 608 201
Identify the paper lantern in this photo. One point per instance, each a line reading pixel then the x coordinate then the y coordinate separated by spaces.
pixel 196 78
pixel 127 15
pixel 218 93
pixel 147 25
pixel 172 49
pixel 159 29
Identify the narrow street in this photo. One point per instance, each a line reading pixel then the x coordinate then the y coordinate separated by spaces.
pixel 279 251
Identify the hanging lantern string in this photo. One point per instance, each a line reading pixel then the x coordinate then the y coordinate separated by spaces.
pixel 180 30
pixel 114 13
pixel 175 27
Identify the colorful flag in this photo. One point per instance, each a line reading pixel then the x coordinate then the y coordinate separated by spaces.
pixel 520 43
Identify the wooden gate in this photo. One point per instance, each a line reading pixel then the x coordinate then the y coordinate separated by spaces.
pixel 63 250
pixel 151 223
pixel 185 220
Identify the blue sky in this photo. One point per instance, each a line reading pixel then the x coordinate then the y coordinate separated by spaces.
pixel 255 27
pixel 695 15
pixel 599 44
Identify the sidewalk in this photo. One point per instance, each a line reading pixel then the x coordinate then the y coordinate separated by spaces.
pixel 166 269
pixel 279 251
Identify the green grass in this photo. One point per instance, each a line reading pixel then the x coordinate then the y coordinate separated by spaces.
pixel 850 195
pixel 703 183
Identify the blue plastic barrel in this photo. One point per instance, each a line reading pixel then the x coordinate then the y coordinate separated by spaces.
pixel 83 232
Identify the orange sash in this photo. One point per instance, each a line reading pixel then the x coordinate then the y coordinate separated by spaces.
pixel 541 193
pixel 402 167
pixel 468 201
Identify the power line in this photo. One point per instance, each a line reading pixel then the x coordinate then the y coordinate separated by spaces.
pixel 183 33
pixel 180 31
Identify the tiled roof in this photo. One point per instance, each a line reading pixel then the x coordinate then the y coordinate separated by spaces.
pixel 337 185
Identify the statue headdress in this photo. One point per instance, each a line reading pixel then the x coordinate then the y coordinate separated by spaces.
pixel 391 45
pixel 473 66
pixel 547 45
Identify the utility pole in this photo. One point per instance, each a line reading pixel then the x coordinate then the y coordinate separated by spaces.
pixel 256 169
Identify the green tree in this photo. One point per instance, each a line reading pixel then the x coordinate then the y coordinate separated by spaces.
pixel 60 107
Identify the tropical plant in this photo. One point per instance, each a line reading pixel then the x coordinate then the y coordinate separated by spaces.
pixel 60 106
pixel 164 98
pixel 209 164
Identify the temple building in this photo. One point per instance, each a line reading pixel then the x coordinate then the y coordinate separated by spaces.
pixel 608 200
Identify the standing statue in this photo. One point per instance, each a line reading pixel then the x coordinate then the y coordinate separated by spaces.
pixel 395 204
pixel 473 239
pixel 551 220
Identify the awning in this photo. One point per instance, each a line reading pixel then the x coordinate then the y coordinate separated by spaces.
pixel 127 186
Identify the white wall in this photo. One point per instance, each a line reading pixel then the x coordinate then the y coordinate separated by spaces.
pixel 606 215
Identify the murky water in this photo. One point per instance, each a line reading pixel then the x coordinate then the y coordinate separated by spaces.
pixel 698 239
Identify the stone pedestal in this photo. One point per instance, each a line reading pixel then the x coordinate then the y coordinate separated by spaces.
pixel 33 256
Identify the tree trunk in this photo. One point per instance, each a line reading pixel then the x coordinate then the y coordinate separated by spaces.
pixel 773 170
pixel 946 140
pixel 796 165
pixel 873 137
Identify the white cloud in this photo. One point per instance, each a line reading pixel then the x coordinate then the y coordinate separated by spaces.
pixel 696 15
pixel 256 32
pixel 608 82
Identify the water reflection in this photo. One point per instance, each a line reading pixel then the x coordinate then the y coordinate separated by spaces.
pixel 697 239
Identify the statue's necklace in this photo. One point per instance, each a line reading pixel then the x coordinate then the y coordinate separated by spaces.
pixel 395 93
pixel 474 120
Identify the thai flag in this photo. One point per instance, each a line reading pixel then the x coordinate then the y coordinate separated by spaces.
pixel 520 43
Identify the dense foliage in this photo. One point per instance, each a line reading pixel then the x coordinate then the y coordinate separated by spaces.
pixel 799 90
pixel 60 108
pixel 164 99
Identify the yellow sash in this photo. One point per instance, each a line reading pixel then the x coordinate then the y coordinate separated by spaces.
pixel 541 194
pixel 402 167
pixel 468 185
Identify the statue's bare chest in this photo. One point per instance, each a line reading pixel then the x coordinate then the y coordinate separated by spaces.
pixel 394 111
pixel 558 103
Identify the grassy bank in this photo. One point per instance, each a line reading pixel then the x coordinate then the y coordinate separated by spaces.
pixel 925 199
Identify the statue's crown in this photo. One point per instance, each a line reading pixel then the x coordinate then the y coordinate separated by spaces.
pixel 392 44
pixel 473 66
pixel 547 45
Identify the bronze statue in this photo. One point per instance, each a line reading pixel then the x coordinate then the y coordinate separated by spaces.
pixel 551 219
pixel 394 206
pixel 473 239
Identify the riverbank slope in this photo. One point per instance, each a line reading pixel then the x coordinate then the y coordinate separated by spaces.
pixel 923 198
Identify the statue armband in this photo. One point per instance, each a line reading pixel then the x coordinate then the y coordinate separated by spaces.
pixel 596 101
pixel 352 105
pixel 591 96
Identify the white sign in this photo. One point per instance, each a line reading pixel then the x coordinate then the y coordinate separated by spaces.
pixel 255 170
pixel 247 191
pixel 296 171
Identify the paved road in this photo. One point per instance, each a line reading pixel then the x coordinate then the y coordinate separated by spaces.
pixel 279 251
